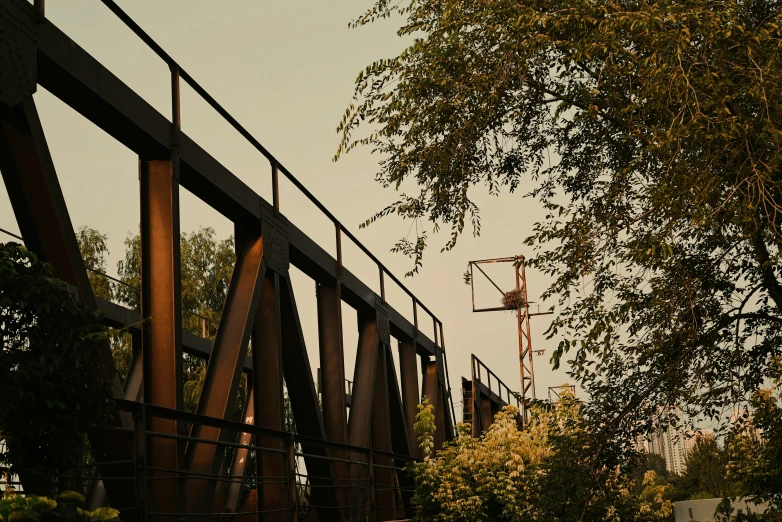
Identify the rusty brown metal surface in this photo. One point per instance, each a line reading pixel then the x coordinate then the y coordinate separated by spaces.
pixel 381 440
pixel 400 442
pixel 332 364
pixel 241 456
pixel 161 313
pixel 269 409
pixel 431 389
pixel 359 422
pixel 523 315
pixel 169 158
pixel 306 409
pixel 411 397
pixel 36 198
pixel 218 394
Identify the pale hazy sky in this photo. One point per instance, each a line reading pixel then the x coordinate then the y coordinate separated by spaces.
pixel 285 70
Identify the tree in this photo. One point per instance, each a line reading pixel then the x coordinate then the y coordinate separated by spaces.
pixel 206 269
pixel 756 448
pixel 706 471
pixel 542 473
pixel 651 134
pixel 52 387
pixel 648 462
pixel 94 249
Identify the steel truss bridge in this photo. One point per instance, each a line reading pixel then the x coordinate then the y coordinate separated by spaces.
pixel 165 463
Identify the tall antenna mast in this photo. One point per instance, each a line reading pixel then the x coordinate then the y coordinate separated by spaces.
pixel 515 299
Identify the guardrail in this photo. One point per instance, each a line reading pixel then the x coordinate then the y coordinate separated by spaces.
pixel 380 486
pixel 479 370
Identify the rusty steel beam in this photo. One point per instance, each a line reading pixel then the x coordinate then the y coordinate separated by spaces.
pixel 269 408
pixel 117 316
pixel 36 198
pixel 381 440
pixel 400 433
pixel 76 78
pixel 38 204
pixel 359 422
pixel 332 363
pixel 431 389
pixel 239 468
pixel 408 369
pixel 161 312
pixel 218 394
pixel 306 410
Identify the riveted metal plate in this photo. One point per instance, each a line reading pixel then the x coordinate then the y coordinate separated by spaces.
pixel 18 52
pixel 383 325
pixel 276 250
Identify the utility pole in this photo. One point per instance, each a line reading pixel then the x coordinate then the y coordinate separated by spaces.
pixel 516 299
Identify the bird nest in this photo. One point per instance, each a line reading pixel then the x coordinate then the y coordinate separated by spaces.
pixel 513 300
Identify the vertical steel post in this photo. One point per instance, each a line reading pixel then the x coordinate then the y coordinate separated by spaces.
pixel 381 438
pixel 162 327
pixel 293 493
pixel 268 387
pixel 431 388
pixel 408 369
pixel 472 287
pixel 140 457
pixel 525 340
pixel 332 361
pixel 233 489
pixel 275 187
pixel 527 327
pixel 176 114
pixel 372 494
pixel 447 374
pixel 40 10
pixel 382 282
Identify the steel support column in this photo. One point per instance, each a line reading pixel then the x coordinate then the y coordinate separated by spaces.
pixel 304 403
pixel 381 440
pixel 400 442
pixel 362 401
pixel 161 313
pixel 238 468
pixel 332 364
pixel 432 391
pixel 269 406
pixel 218 394
pixel 408 369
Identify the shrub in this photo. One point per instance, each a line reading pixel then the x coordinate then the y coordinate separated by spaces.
pixel 51 390
pixel 66 508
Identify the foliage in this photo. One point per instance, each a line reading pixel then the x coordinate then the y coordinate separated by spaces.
pixel 756 449
pixel 66 508
pixel 51 386
pixel 644 463
pixel 206 269
pixel 650 132
pixel 706 475
pixel 94 249
pixel 546 472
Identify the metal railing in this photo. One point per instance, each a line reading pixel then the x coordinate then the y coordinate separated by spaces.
pixel 297 486
pixel 177 74
pixel 481 373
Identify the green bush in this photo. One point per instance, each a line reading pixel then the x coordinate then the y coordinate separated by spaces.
pixel 51 389
pixel 66 508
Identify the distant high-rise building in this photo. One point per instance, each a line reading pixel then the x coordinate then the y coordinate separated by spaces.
pixel 670 444
pixel 673 443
